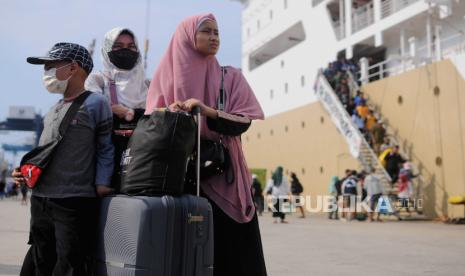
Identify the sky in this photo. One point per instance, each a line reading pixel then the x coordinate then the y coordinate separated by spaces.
pixel 31 27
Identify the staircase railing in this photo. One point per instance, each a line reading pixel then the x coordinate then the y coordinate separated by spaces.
pixel 359 147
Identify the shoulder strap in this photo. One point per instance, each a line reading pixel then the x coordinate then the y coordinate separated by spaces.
pixel 113 95
pixel 222 98
pixel 71 113
pixel 112 88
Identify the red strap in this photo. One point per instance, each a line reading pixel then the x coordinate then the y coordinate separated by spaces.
pixel 124 132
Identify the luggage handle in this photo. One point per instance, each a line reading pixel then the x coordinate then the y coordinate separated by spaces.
pixel 196 113
pixel 192 219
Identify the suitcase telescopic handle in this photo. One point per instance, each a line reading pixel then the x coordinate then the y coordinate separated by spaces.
pixel 196 113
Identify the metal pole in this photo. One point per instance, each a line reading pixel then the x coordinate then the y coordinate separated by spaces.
pixel 402 48
pixel 429 38
pixel 147 26
pixel 341 19
pixel 437 34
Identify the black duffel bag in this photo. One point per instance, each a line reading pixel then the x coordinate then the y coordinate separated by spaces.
pixel 155 160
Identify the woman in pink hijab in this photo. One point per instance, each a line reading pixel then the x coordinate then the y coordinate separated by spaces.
pixel 189 75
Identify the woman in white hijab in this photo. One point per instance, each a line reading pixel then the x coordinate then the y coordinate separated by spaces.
pixel 123 82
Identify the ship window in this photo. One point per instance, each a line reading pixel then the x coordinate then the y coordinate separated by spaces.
pixel 278 45
pixel 271 94
pixel 285 4
pixel 271 132
pixel 286 87
pixel 302 81
pixel 248 32
pixel 259 135
pixel 303 124
pixel 271 14
pixel 286 128
pixel 282 64
pixel 258 24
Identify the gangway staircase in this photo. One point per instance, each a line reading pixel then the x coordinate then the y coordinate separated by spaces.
pixel 422 174
pixel 358 145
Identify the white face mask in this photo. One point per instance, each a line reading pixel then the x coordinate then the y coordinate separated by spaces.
pixel 52 84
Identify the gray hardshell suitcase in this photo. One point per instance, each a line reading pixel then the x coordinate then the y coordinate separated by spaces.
pixel 156 236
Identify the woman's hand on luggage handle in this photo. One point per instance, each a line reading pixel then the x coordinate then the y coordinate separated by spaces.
pixel 204 110
pixel 176 106
pixel 18 177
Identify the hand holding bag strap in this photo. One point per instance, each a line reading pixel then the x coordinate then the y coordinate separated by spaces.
pixel 113 95
pixel 112 88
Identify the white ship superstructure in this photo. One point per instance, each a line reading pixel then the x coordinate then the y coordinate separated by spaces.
pixel 285 42
pixel 409 57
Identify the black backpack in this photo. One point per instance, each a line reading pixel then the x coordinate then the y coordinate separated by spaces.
pixel 296 187
pixel 155 160
pixel 352 187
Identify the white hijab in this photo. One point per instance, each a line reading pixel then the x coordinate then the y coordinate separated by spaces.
pixel 131 85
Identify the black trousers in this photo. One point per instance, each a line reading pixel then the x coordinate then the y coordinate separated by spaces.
pixel 62 235
pixel 238 246
pixel 277 213
pixel 121 144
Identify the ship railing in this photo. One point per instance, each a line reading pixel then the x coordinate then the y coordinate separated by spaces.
pixel 339 30
pixel 389 7
pixel 362 17
pixel 390 67
pixel 453 45
pixel 395 65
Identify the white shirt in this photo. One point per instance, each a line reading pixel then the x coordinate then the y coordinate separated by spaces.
pixel 373 185
pixel 281 190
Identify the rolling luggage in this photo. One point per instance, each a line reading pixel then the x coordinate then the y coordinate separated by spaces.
pixel 156 236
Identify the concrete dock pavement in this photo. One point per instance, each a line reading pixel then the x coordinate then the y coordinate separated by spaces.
pixel 319 246
pixel 310 246
pixel 14 234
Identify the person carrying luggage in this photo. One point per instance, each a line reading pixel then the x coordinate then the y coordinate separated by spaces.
pixel 189 76
pixel 123 83
pixel 64 202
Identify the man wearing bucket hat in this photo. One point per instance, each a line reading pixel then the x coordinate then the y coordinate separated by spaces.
pixel 64 198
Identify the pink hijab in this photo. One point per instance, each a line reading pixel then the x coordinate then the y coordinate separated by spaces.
pixel 184 73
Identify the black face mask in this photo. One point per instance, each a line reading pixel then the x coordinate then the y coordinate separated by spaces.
pixel 124 58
